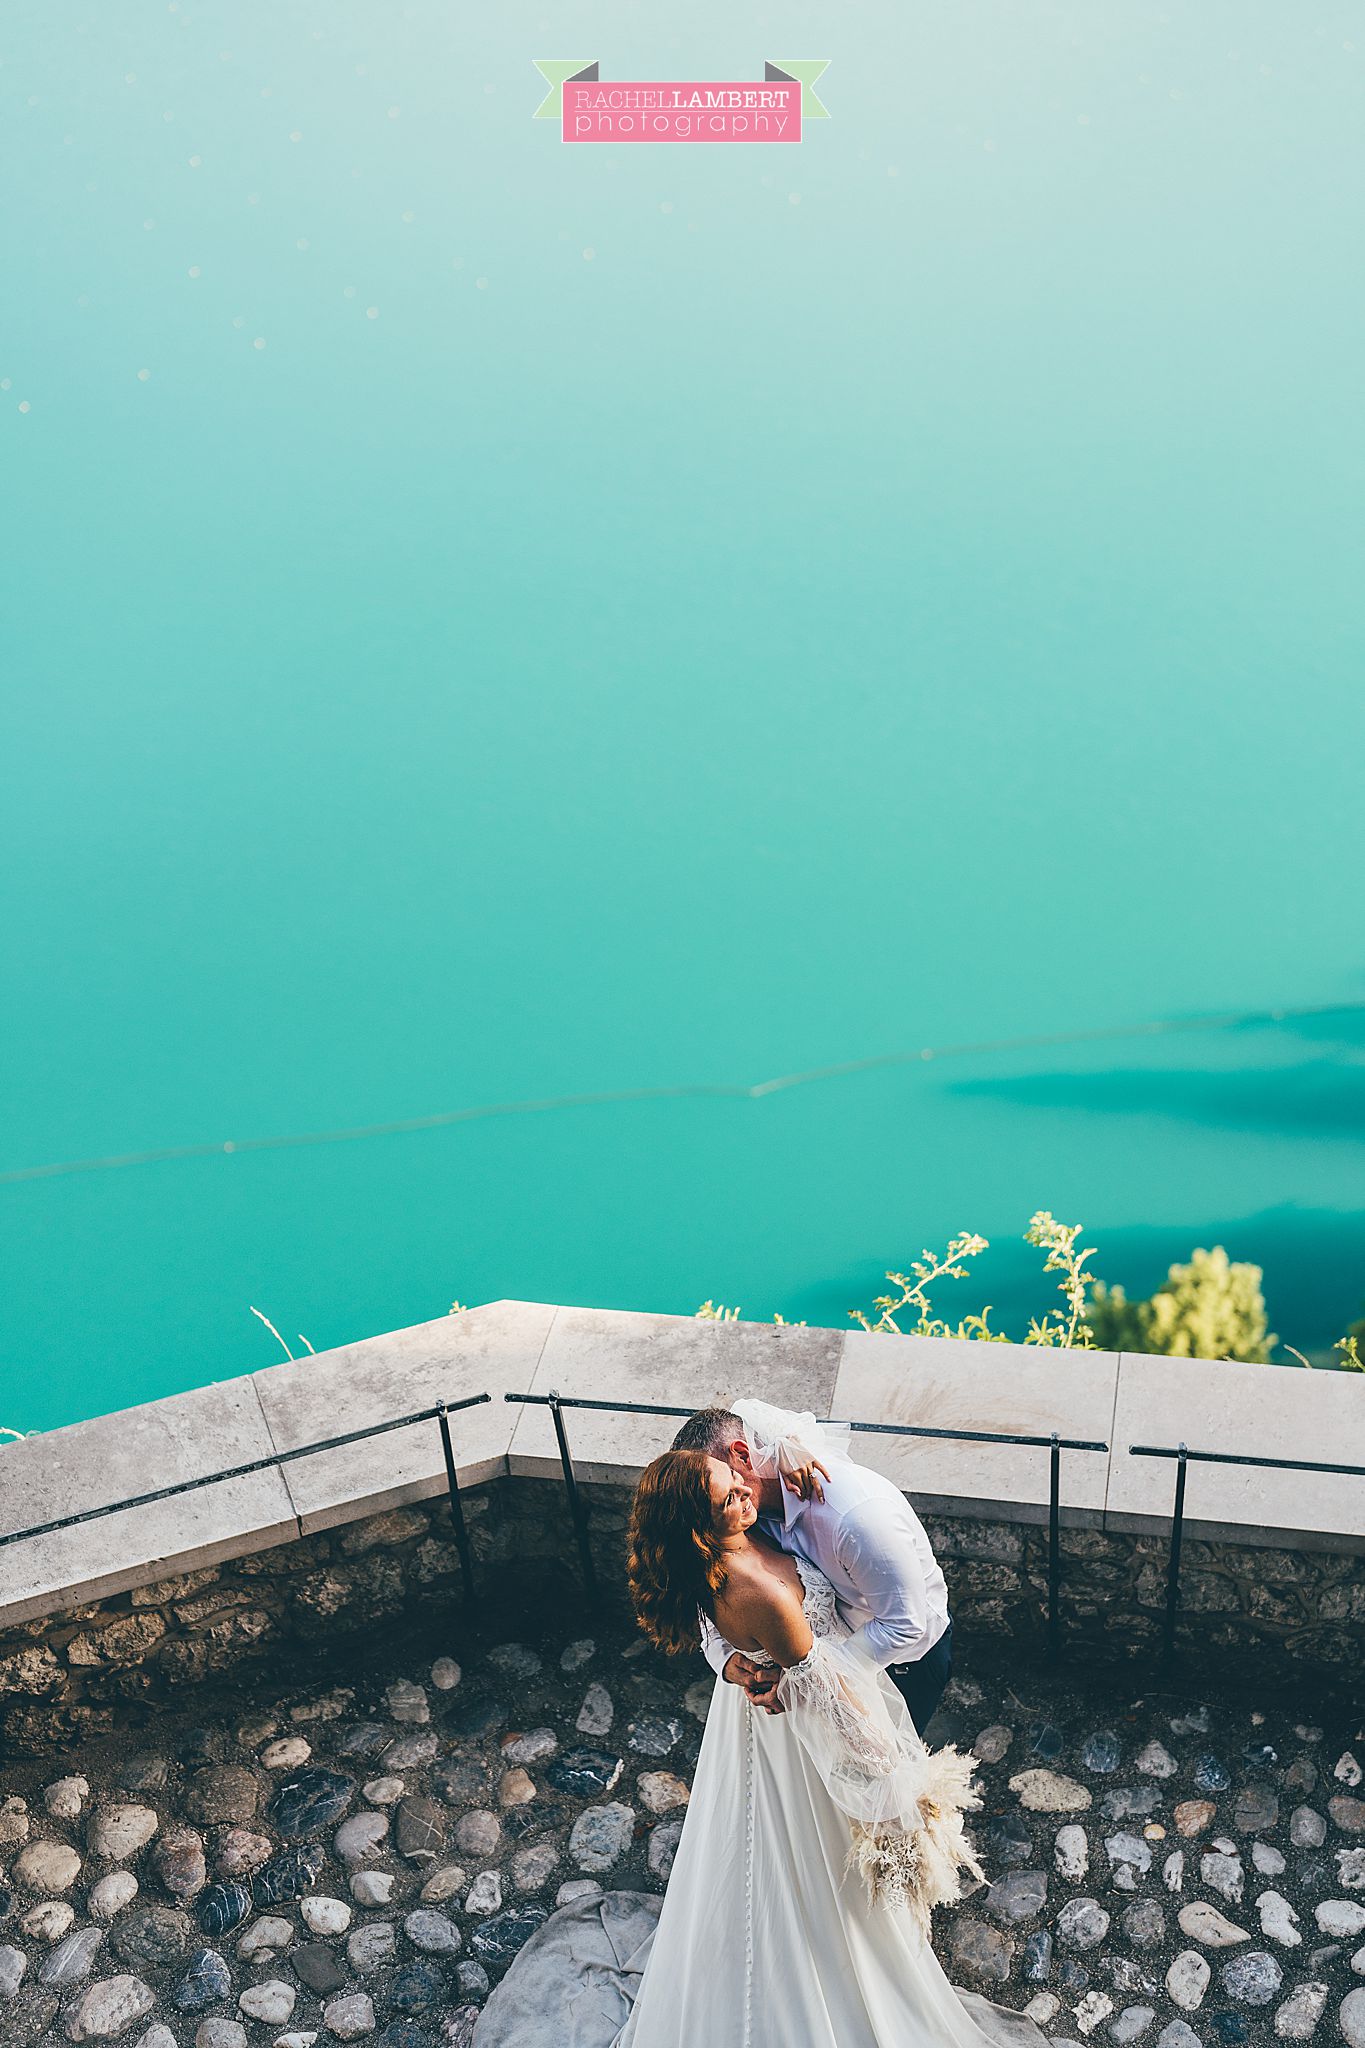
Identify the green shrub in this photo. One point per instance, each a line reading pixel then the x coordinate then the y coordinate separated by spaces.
pixel 1211 1308
pixel 1349 1347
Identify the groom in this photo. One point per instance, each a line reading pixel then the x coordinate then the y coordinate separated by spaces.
pixel 857 1528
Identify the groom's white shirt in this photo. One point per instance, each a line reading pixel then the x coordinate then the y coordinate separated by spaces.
pixel 870 1544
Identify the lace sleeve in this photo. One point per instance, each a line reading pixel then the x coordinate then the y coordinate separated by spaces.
pixel 837 1713
pixel 905 1802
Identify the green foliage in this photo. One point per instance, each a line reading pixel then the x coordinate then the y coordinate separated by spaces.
pixel 1211 1308
pixel 1066 1329
pixel 1349 1347
pixel 1058 1240
pixel 928 1268
pixel 716 1312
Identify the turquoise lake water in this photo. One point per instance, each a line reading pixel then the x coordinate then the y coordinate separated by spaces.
pixel 661 616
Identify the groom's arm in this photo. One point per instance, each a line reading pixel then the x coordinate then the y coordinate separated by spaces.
pixel 714 1647
pixel 877 1548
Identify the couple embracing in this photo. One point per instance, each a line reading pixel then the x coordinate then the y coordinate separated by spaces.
pixel 821 1830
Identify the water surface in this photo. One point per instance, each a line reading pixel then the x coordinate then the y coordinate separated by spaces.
pixel 728 612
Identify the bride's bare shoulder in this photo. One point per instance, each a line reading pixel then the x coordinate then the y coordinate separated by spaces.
pixel 756 1593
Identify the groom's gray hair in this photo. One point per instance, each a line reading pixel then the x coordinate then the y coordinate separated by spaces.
pixel 710 1430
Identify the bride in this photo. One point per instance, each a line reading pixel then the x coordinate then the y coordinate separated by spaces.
pixel 818 1838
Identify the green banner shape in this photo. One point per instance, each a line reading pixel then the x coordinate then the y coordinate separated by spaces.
pixel 556 71
pixel 804 71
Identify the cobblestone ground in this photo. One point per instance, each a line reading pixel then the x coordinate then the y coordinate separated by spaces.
pixel 360 1863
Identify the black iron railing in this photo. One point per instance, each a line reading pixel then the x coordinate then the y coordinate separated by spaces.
pixel 1053 1444
pixel 440 1412
pixel 1184 1458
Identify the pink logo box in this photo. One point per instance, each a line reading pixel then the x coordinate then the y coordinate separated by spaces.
pixel 681 110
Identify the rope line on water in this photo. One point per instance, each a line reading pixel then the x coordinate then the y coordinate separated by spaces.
pixel 735 1091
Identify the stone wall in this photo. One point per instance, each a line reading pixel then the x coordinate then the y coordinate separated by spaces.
pixel 62 1675
pixel 1304 1608
pixel 1289 1611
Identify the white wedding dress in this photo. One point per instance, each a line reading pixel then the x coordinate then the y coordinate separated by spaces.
pixel 767 1937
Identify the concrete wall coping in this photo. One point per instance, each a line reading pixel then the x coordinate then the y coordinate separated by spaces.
pixel 611 1354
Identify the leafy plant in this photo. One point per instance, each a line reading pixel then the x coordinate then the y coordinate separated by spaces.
pixel 1066 1329
pixel 1058 1240
pixel 1349 1347
pixel 715 1312
pixel 1210 1308
pixel 927 1270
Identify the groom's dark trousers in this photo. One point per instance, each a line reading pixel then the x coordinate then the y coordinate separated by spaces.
pixel 921 1684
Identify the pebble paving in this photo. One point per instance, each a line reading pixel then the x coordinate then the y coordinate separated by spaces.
pixel 362 1863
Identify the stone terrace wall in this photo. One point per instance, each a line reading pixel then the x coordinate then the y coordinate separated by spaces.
pixel 298 1556
pixel 64 1676
pixel 1289 1609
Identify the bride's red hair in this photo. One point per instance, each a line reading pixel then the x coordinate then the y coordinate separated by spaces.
pixel 675 1562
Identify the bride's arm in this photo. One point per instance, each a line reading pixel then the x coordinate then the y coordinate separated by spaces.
pixel 906 1803
pixel 838 1712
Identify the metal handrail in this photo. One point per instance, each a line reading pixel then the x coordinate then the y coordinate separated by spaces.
pixel 1055 1444
pixel 968 1436
pixel 1184 1458
pixel 1241 1458
pixel 439 1412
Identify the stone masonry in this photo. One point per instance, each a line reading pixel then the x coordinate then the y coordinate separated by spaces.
pixel 64 1675
pixel 272 1862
